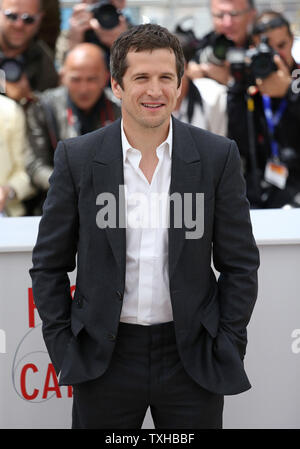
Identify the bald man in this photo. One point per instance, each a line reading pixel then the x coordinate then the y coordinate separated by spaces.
pixel 81 104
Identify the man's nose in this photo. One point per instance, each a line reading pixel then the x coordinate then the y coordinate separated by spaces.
pixel 18 23
pixel 154 88
pixel 227 20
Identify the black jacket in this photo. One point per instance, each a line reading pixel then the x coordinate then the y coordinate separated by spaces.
pixel 210 315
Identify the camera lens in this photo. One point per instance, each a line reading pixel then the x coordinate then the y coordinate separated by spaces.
pixel 221 47
pixel 107 15
pixel 13 70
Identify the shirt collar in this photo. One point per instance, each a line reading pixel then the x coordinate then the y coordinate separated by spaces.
pixel 126 145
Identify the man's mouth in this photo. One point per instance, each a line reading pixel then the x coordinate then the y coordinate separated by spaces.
pixel 152 105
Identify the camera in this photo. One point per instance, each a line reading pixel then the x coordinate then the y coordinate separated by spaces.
pixel 106 14
pixel 12 67
pixel 216 52
pixel 248 65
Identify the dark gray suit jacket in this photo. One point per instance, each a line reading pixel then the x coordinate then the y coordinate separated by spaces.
pixel 210 314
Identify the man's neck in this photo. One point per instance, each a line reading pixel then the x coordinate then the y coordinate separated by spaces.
pixel 146 140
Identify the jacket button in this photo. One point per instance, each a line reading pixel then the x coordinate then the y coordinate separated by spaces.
pixel 111 337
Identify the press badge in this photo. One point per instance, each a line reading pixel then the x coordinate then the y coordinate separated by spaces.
pixel 276 174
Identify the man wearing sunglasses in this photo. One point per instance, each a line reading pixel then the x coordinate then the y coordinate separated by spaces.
pixel 27 62
pixel 233 19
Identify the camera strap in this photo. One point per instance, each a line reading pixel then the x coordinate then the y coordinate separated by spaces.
pixel 273 119
pixel 276 173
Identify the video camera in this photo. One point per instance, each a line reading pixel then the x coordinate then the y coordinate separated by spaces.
pixel 12 67
pixel 106 14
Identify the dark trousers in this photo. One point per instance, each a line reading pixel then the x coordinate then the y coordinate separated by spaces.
pixel 145 370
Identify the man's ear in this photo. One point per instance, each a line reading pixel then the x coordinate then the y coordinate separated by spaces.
pixel 116 88
pixel 62 75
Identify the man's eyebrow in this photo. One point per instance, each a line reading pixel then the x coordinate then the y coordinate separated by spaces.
pixel 140 74
pixel 147 74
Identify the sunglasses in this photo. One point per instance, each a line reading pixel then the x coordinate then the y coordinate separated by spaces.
pixel 27 19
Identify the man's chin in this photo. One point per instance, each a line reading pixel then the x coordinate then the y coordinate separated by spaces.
pixel 15 44
pixel 153 123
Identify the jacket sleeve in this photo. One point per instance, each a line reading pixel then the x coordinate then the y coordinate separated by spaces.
pixel 39 152
pixel 235 254
pixel 54 256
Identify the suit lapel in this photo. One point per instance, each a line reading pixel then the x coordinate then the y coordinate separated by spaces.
pixel 185 178
pixel 108 176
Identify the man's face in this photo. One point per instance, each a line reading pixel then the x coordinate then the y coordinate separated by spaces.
pixel 282 42
pixel 232 18
pixel 15 34
pixel 150 88
pixel 85 81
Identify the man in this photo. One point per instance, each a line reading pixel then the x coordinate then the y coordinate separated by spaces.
pixel 15 184
pixel 79 106
pixel 84 27
pixel 19 23
pixel 166 334
pixel 272 166
pixel 233 19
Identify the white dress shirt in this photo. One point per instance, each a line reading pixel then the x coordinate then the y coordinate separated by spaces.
pixel 147 294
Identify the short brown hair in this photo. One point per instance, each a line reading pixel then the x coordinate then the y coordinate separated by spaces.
pixel 146 37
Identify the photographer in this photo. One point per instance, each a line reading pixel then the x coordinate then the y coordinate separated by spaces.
pixel 95 22
pixel 26 61
pixel 264 116
pixel 232 21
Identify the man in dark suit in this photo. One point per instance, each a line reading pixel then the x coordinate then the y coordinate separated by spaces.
pixel 149 324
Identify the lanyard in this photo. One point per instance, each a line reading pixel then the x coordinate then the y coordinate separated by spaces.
pixel 273 119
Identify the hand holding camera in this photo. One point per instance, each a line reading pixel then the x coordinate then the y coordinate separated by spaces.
pixel 108 36
pixel 278 82
pixel 102 17
pixel 80 22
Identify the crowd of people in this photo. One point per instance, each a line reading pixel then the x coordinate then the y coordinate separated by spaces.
pixel 239 82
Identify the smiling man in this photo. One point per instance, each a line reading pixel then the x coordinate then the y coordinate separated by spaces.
pixel 150 325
